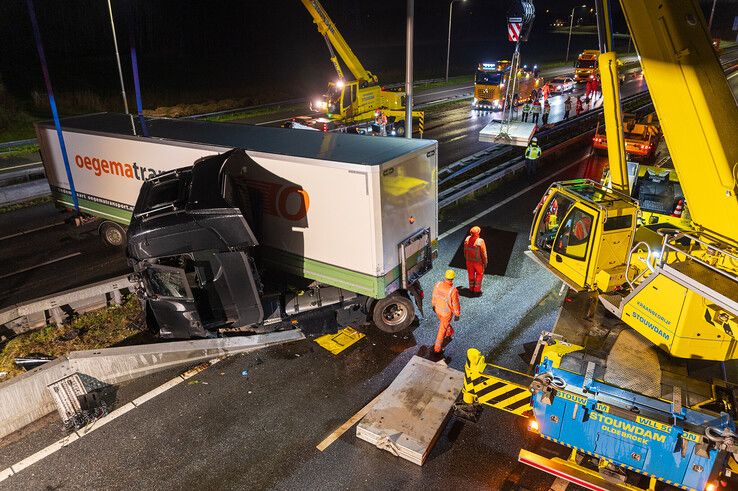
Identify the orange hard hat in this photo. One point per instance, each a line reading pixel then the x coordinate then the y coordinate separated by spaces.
pixel 475 230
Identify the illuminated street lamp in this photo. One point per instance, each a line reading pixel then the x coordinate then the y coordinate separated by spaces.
pixel 448 48
pixel 571 24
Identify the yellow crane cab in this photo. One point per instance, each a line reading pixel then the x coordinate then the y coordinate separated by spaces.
pixel 583 229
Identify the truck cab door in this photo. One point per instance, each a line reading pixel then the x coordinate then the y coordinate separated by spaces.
pixel 228 290
pixel 171 300
pixel 571 252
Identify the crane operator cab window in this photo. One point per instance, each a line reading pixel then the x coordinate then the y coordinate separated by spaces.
pixel 554 210
pixel 574 235
pixel 349 97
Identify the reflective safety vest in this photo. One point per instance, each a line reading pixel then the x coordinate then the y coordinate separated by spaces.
pixel 532 152
pixel 445 299
pixel 526 108
pixel 473 250
pixel 536 107
pixel 582 227
pixel 546 108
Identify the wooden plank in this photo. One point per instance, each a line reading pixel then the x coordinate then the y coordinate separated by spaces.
pixel 348 424
pixel 411 413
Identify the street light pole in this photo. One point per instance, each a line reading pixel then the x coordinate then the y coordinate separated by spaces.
pixel 448 47
pixel 117 57
pixel 571 24
pixel 409 70
pixel 712 13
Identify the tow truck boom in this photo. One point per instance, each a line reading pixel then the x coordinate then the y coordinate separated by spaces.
pixel 335 41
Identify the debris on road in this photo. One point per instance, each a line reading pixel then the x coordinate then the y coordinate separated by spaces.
pixel 410 415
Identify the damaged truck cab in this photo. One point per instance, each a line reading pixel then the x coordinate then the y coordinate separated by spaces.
pixel 197 244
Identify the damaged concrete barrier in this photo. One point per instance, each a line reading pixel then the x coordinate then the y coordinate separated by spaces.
pixel 24 399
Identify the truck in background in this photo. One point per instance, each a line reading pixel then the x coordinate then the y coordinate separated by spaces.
pixel 357 214
pixel 489 85
pixel 586 66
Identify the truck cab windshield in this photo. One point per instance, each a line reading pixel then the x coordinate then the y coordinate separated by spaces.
pixel 488 78
pixel 586 64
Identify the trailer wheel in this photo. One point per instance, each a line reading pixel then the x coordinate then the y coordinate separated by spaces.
pixel 393 314
pixel 113 234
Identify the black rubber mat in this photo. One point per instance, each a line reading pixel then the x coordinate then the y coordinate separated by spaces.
pixel 499 248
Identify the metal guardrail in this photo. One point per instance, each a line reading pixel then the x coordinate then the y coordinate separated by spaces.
pixel 468 175
pixel 56 308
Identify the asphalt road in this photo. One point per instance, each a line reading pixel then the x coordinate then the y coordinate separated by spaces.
pixel 227 431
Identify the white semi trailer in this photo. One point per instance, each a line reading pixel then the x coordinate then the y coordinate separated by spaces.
pixel 354 213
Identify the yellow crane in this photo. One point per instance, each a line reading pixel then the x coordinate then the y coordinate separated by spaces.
pixel 678 288
pixel 354 101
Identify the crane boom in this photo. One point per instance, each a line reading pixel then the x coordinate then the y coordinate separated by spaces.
pixel 333 37
pixel 696 108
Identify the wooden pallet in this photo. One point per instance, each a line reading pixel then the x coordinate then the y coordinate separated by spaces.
pixel 411 413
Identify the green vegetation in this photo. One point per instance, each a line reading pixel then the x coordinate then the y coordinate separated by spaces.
pixel 93 330
pixel 259 111
pixel 460 79
pixel 19 151
pixel 25 204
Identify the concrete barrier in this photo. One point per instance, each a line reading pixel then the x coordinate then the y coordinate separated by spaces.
pixel 24 399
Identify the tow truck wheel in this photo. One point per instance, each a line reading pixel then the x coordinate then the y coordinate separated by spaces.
pixel 393 314
pixel 113 234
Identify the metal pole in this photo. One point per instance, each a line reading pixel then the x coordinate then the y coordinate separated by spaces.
pixel 571 24
pixel 52 102
pixel 409 70
pixel 117 57
pixel 712 13
pixel 448 47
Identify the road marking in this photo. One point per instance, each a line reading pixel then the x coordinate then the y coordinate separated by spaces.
pixel 42 264
pixel 283 119
pixel 732 74
pixel 21 166
pixel 447 141
pixel 348 424
pixel 506 201
pixel 76 435
pixel 43 227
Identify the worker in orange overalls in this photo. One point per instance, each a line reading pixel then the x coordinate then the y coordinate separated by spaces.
pixel 445 304
pixel 475 253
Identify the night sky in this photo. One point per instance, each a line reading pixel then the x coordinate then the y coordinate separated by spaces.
pixel 192 50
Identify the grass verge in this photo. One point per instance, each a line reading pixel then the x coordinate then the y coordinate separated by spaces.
pixel 93 330
pixel 25 204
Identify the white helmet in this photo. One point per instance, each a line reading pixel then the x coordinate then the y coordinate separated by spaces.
pixel 534 139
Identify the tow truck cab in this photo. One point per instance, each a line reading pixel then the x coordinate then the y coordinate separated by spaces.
pixel 586 66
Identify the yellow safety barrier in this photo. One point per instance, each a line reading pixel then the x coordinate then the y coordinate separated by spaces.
pixel 481 385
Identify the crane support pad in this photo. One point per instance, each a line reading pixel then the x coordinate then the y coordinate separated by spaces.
pixel 336 343
pixel 497 387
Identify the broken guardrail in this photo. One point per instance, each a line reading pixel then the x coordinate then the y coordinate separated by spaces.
pixel 59 307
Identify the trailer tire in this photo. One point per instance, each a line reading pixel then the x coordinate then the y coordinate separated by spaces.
pixel 112 234
pixel 393 314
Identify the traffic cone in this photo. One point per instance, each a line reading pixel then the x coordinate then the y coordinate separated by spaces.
pixel 678 210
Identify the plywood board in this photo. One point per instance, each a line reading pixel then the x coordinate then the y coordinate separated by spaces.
pixel 514 133
pixel 412 411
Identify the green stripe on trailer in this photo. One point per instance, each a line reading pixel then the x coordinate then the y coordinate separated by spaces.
pixel 97 209
pixel 361 283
